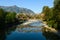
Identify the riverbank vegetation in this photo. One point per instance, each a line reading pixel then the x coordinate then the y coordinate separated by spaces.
pixel 52 15
pixel 8 22
pixel 7 19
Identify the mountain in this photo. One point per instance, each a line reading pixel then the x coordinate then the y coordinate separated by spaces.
pixel 17 9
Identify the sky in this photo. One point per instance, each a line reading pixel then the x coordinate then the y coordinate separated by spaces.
pixel 34 5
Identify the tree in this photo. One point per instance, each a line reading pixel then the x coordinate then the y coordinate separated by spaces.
pixel 46 11
pixel 57 12
pixel 2 18
pixel 49 16
pixel 10 17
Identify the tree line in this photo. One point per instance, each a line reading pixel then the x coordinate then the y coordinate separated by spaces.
pixel 52 15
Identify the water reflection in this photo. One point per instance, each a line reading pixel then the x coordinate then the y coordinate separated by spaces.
pixel 36 24
pixel 29 29
pixel 28 32
pixel 2 35
pixel 25 36
pixel 6 31
pixel 51 36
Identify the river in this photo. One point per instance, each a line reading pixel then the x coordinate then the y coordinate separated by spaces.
pixel 31 31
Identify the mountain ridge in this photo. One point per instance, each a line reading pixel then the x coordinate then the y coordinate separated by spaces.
pixel 17 9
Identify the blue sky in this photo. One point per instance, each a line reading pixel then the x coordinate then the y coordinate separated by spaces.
pixel 34 5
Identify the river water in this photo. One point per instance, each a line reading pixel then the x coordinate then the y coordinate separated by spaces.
pixel 33 31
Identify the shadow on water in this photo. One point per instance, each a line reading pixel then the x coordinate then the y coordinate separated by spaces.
pixel 7 29
pixel 3 32
pixel 50 36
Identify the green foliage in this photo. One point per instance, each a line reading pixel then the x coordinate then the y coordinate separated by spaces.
pixel 6 18
pixel 56 12
pixel 10 17
pixel 47 12
pixel 2 18
pixel 52 15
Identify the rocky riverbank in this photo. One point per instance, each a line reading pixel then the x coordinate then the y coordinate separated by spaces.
pixel 50 29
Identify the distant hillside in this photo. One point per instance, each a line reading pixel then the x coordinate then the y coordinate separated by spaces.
pixel 17 9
